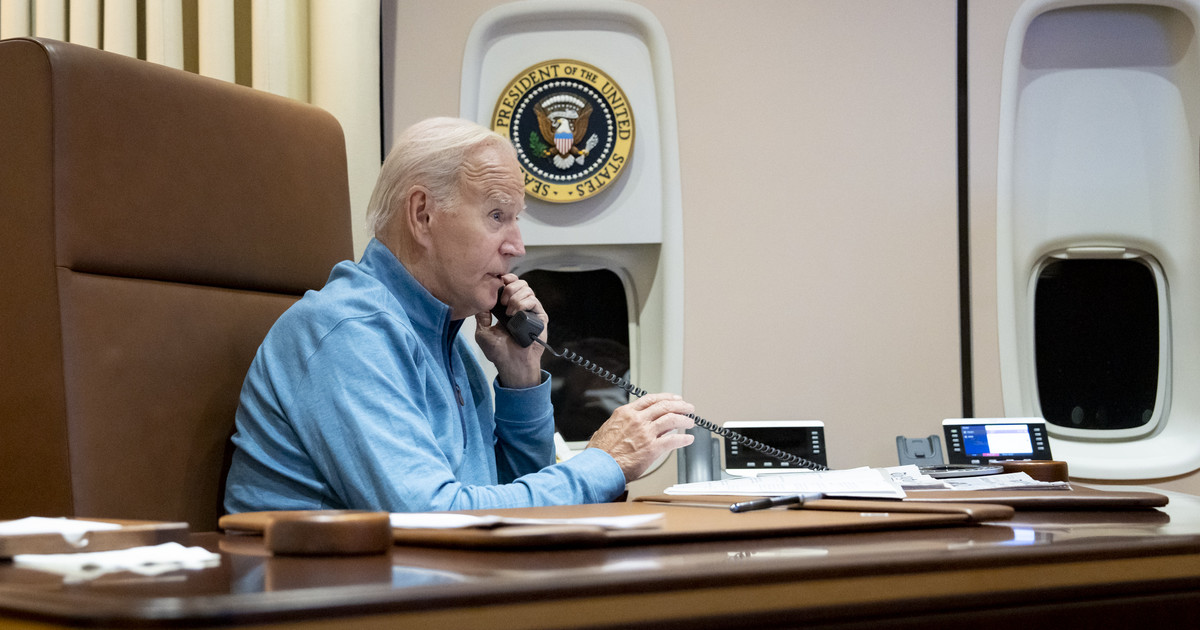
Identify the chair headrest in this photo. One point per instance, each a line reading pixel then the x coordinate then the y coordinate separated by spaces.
pixel 163 174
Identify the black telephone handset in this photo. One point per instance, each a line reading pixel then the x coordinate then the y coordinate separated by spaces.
pixel 524 327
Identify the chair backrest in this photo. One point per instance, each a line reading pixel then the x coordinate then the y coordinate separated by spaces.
pixel 153 225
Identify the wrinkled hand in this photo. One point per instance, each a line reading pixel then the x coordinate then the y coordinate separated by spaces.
pixel 638 433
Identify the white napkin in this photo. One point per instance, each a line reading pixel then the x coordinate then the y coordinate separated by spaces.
pixel 150 561
pixel 72 530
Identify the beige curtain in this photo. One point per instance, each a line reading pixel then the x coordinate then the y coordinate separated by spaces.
pixel 324 52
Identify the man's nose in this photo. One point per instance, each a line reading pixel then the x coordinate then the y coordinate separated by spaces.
pixel 513 245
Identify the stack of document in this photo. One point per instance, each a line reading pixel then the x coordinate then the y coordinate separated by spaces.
pixel 861 483
pixel 1007 481
pixel 911 478
pixel 867 483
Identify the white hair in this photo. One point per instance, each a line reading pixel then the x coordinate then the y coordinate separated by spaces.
pixel 431 153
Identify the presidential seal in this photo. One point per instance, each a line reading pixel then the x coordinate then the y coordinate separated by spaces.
pixel 572 127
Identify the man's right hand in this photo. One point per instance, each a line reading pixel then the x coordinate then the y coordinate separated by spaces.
pixel 516 367
pixel 638 433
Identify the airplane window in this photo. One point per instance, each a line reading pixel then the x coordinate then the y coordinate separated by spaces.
pixel 589 315
pixel 1096 334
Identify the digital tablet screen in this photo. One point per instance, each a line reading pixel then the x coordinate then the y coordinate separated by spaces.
pixel 970 443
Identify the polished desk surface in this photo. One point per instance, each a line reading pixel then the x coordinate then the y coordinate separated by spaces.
pixel 1041 569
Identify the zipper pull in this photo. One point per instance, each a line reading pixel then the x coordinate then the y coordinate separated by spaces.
pixel 458 395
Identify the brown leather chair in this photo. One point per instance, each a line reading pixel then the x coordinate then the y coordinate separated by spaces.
pixel 153 225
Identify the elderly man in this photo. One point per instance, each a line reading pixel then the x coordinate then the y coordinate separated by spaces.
pixel 364 396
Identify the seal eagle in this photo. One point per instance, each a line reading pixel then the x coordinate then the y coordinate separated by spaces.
pixel 563 122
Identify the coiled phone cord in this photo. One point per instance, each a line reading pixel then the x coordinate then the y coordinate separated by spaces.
pixel 638 392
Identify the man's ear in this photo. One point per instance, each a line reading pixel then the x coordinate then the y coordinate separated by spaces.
pixel 418 213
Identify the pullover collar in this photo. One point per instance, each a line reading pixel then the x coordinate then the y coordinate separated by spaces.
pixel 429 315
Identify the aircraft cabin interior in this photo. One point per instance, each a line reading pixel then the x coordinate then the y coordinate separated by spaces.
pixel 945 246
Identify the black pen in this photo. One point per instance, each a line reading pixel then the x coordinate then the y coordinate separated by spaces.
pixel 770 502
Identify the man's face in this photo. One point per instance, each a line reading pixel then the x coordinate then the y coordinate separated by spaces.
pixel 475 240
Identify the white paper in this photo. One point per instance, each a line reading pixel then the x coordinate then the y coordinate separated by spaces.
pixel 855 482
pixel 447 520
pixel 1009 481
pixel 152 560
pixel 562 451
pixel 72 530
pixel 439 520
pixel 910 477
pixel 629 521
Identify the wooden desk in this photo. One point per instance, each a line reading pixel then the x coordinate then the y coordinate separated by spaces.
pixel 1040 570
